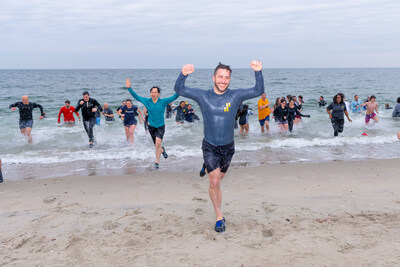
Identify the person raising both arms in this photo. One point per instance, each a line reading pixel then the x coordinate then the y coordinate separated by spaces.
pixel 128 112
pixel 25 115
pixel 68 112
pixel 156 109
pixel 219 107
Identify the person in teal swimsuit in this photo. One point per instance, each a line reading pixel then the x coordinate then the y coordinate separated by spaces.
pixel 156 109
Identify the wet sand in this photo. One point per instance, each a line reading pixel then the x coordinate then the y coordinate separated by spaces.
pixel 335 213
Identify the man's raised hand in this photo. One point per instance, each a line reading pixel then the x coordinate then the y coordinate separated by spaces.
pixel 256 65
pixel 128 83
pixel 187 69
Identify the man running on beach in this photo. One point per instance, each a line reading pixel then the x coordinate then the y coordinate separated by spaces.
pixel 371 107
pixel 25 115
pixel 68 112
pixel 89 107
pixel 219 106
pixel 263 112
pixel 156 109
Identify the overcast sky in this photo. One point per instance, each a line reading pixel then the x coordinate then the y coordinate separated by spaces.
pixel 167 34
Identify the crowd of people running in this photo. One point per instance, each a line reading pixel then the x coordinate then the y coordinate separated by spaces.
pixel 221 109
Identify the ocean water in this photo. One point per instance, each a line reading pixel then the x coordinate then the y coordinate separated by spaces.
pixel 58 150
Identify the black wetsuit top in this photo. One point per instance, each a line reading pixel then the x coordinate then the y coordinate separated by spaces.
pixel 280 113
pixel 87 108
pixel 25 111
pixel 322 103
pixel 219 111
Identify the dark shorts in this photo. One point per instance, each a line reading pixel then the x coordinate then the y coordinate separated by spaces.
pixel 217 156
pixel 130 123
pixel 157 132
pixel 262 122
pixel 25 124
pixel 282 122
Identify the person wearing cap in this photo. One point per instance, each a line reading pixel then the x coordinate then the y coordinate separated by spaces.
pixel 68 112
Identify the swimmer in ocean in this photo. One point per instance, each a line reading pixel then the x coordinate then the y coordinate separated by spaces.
pixel 219 106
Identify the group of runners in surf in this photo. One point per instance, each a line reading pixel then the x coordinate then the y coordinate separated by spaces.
pixel 219 107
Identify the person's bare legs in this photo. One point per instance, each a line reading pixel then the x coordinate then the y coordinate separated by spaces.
pixel 27 132
pixel 267 126
pixel 246 128
pixel 130 133
pixel 262 129
pixel 214 190
pixel 127 133
pixel 159 149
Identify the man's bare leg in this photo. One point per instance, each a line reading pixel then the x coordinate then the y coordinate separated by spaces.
pixel 214 190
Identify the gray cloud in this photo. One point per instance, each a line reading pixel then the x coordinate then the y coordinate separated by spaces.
pixel 136 34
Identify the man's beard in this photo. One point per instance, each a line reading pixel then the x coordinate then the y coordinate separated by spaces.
pixel 219 90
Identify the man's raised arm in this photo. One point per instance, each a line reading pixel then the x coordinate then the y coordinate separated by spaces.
pixel 180 87
pixel 258 89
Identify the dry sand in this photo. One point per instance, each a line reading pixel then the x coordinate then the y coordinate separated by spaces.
pixel 336 213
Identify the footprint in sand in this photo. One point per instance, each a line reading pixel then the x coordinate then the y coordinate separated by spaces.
pixel 49 200
pixel 199 199
pixel 109 225
pixel 268 208
pixel 199 211
pixel 267 232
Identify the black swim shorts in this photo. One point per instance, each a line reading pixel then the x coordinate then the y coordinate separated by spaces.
pixel 217 156
pixel 157 132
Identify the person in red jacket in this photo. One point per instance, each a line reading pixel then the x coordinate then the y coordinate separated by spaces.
pixel 68 112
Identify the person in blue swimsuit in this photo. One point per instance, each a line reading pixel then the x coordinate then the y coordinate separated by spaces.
pixel 219 106
pixel 128 112
pixel 156 109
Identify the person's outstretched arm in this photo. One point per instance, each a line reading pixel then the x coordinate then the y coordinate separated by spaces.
pixel 14 106
pixel 41 109
pixel 181 89
pixel 133 93
pixel 258 89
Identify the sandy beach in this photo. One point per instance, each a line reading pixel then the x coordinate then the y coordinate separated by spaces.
pixel 334 214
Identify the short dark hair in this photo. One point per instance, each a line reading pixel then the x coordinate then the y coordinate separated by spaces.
pixel 355 95
pixel 321 97
pixel 85 93
pixel 372 96
pixel 341 95
pixel 398 100
pixel 67 101
pixel 223 66
pixel 128 100
pixel 300 96
pixel 158 89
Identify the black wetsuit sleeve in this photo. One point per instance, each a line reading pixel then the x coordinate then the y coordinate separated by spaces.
pixel 330 107
pixel 34 105
pixel 16 104
pixel 182 90
pixel 97 104
pixel 78 106
pixel 298 113
pixel 253 92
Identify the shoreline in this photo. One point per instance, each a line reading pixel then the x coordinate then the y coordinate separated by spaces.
pixel 330 213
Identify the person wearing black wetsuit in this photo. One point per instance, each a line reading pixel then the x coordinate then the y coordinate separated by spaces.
pixel 25 115
pixel 293 112
pixel 168 111
pixel 180 112
pixel 219 106
pixel 89 107
pixel 281 114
